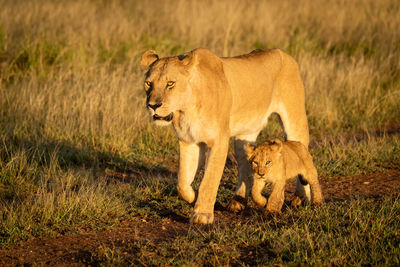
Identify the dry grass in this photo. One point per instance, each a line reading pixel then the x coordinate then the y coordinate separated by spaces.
pixel 72 103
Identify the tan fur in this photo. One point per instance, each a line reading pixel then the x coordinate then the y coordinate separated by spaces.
pixel 209 99
pixel 276 162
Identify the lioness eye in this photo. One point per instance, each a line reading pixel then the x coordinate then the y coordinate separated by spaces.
pixel 147 84
pixel 267 163
pixel 170 84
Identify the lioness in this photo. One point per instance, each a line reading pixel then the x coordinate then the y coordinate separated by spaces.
pixel 276 162
pixel 208 99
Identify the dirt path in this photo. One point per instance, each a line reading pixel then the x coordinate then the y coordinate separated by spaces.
pixel 78 249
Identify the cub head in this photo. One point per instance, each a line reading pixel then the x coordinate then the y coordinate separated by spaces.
pixel 264 158
pixel 167 84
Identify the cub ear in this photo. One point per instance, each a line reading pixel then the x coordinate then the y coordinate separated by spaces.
pixel 276 145
pixel 148 58
pixel 249 149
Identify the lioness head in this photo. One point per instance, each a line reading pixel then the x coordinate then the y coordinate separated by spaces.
pixel 167 84
pixel 264 159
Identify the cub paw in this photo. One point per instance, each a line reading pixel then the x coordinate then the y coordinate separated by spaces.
pixel 202 218
pixel 237 204
pixel 273 210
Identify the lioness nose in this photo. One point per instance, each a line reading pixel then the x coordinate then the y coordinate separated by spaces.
pixel 154 106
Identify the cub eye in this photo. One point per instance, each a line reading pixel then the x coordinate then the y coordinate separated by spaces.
pixel 170 84
pixel 147 84
pixel 255 163
pixel 267 163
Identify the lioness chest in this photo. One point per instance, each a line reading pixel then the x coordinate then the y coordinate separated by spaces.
pixel 191 129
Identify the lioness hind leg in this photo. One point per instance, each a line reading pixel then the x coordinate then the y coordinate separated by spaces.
pixel 245 177
pixel 295 126
pixel 296 202
pixel 202 218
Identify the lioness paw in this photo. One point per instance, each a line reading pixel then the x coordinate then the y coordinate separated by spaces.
pixel 202 218
pixel 305 201
pixel 317 201
pixel 187 193
pixel 296 202
pixel 237 204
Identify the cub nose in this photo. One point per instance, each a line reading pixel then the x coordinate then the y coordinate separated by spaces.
pixel 154 106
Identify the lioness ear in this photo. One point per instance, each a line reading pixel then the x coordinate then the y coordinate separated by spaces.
pixel 188 59
pixel 276 145
pixel 249 150
pixel 148 58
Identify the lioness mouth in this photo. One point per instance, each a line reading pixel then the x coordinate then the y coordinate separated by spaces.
pixel 166 118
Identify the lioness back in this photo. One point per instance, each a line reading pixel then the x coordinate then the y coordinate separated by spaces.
pixel 261 83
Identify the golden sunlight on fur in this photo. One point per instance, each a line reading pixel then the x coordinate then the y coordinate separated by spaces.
pixel 275 162
pixel 208 99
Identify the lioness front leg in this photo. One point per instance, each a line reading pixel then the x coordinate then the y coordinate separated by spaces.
pixel 204 208
pixel 188 164
pixel 245 174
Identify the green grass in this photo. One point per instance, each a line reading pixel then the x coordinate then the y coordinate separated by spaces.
pixel 77 147
pixel 359 232
pixel 365 234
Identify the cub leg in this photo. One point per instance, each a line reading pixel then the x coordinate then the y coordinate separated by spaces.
pixel 316 193
pixel 204 208
pixel 245 177
pixel 277 197
pixel 188 163
pixel 258 186
pixel 303 192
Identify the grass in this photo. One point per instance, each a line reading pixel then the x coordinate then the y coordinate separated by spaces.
pixel 72 121
pixel 366 235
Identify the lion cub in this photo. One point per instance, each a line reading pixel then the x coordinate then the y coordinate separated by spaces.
pixel 275 162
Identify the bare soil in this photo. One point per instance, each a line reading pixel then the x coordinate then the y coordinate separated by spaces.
pixel 89 245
